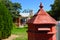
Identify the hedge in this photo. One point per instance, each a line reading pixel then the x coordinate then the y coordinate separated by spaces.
pixel 5 22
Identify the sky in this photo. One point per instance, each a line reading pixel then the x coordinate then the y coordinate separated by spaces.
pixel 34 4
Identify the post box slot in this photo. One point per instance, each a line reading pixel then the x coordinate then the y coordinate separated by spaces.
pixel 43 29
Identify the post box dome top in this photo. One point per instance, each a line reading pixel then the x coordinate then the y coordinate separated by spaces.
pixel 42 17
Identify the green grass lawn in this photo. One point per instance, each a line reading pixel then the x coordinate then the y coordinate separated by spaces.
pixel 21 32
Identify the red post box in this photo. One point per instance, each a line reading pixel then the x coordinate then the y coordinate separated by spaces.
pixel 42 26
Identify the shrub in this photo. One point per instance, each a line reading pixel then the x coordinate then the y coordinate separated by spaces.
pixel 5 22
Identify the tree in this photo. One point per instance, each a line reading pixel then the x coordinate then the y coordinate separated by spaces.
pixel 14 8
pixel 55 9
pixel 17 6
pixel 50 12
pixel 5 22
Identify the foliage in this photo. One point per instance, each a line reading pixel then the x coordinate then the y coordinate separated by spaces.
pixel 5 22
pixel 55 10
pixel 27 10
pixel 50 12
pixel 14 8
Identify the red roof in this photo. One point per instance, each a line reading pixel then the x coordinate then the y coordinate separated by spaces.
pixel 42 17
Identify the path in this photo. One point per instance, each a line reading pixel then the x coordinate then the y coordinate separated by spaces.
pixel 12 37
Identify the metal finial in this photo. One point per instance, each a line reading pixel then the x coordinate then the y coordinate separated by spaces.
pixel 41 6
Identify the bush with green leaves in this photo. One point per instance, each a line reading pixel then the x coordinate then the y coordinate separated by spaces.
pixel 5 22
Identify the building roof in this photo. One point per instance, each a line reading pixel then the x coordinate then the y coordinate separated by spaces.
pixel 42 17
pixel 25 14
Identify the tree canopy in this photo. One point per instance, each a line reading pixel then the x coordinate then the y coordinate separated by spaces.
pixel 55 10
pixel 14 8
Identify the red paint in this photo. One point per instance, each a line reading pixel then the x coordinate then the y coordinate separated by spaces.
pixel 42 26
pixel 18 23
pixel 42 17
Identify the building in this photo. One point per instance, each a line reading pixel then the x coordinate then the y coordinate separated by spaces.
pixel 23 18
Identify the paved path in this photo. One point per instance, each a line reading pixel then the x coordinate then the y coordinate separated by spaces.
pixel 12 37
